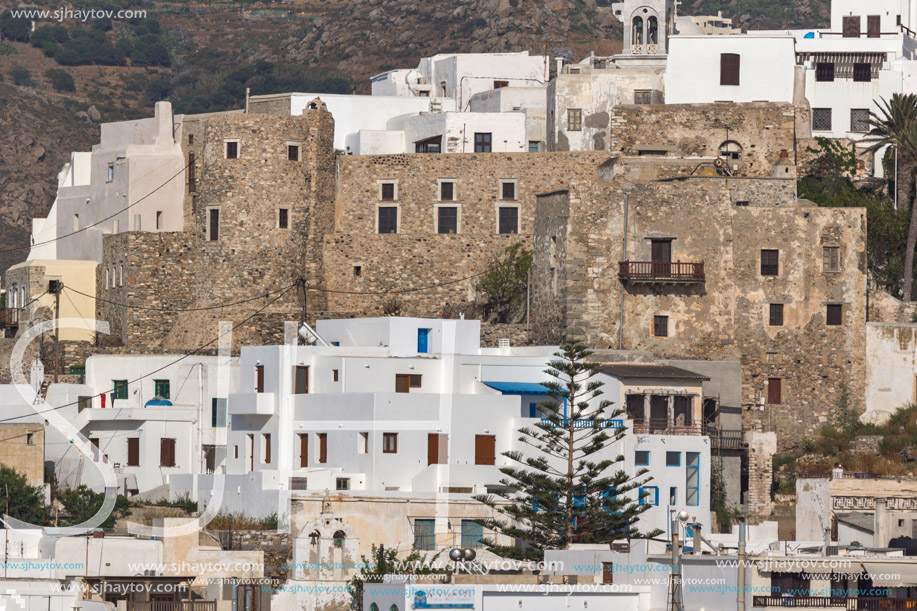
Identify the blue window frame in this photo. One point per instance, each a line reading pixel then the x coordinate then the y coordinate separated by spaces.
pixel 609 497
pixel 472 533
pixel 424 534
pixel 673 459
pixel 218 413
pixel 533 410
pixel 423 341
pixel 649 495
pixel 642 458
pixel 692 478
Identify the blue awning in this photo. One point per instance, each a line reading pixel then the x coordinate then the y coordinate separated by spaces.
pixel 519 388
pixel 158 402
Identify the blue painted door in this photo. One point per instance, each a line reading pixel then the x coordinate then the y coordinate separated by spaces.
pixel 423 341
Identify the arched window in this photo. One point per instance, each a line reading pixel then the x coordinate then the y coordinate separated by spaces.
pixel 339 538
pixel 374 607
pixel 637 35
pixel 652 31
pixel 393 608
pixel 730 150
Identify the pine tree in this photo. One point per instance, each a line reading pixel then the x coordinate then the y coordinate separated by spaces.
pixel 566 489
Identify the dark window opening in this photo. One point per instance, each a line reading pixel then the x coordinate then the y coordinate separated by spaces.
pixel 824 72
pixel 482 142
pixel 776 315
pixel 574 119
pixel 774 391
pixel 770 262
pixel 389 443
pixel 447 191
pixel 862 73
pixel 388 219
pixel 293 152
pixel 232 150
pixel 283 218
pixel 430 145
pixel 509 219
pixel 851 26
pixel 661 326
pixel 643 97
pixel 508 190
pixel 214 224
pixel 388 191
pixel 501 84
pixel 729 68
pixel 835 314
pixel 447 219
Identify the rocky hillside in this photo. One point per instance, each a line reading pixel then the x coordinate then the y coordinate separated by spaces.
pixel 203 56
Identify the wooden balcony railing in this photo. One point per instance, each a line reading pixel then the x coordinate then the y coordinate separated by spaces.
pixel 659 271
pixel 9 318
pixel 662 426
pixel 848 604
pixel 724 440
pixel 178 605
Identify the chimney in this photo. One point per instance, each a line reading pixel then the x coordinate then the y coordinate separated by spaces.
pixel 880 525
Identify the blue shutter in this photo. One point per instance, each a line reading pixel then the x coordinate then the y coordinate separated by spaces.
pixel 423 341
pixel 472 533
pixel 533 410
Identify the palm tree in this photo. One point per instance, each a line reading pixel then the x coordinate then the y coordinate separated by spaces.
pixel 896 125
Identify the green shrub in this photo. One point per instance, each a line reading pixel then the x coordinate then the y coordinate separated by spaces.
pixel 21 76
pixel 60 80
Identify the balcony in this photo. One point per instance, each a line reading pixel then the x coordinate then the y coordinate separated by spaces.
pixel 169 605
pixel 834 602
pixel 724 440
pixel 252 404
pixel 664 426
pixel 661 272
pixel 9 318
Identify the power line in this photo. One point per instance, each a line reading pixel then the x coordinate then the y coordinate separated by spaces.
pixel 400 291
pixel 167 365
pixel 215 307
pixel 91 225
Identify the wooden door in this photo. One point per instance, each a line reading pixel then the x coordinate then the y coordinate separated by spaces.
pixel 485 449
pixel 873 26
pixel 402 383
pixel 774 391
pixel 214 225
pixel 851 27
pixel 304 450
pixel 301 380
pixel 661 257
pixel 133 452
pixel 323 447
pixel 437 449
pixel 259 378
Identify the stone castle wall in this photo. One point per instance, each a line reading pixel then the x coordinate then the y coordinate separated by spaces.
pixel 725 317
pixel 698 130
pixel 418 257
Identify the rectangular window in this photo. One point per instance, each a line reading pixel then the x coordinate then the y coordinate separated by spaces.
pixel 447 191
pixel 673 495
pixel 770 262
pixel 389 443
pixel 673 459
pixel 508 190
pixel 405 382
pixel 821 119
pixel 642 458
pixel 166 452
pixel 84 403
pixel 387 192
pixel 437 449
pixel 214 225
pixel 485 449
pixel 859 120
pixel 835 314
pixel 824 72
pixel 447 219
pixel 363 443
pixel 303 450
pixel 831 259
pixel 388 219
pixel 341 483
pixel 430 145
pixel 334 375
pixel 283 218
pixel 232 150
pixel 643 97
pixel 692 478
pixel 322 447
pixel 259 378
pixel 293 152
pixel 509 219
pixel 424 535
pixel 133 452
pixel 851 26
pixel 111 172
pixel 534 146
pixel 159 219
pixel 501 84
pixel 574 119
pixel 729 68
pixel 873 26
pixel 192 177
pixel 120 389
pixel 161 388
pixel 862 73
pixel 775 391
pixel 482 142
pixel 776 315
pixel 266 448
pixel 300 380
pixel 218 413
pixel 608 575
pixel 661 326
pixel 423 341
pixel 472 533
pixel 649 495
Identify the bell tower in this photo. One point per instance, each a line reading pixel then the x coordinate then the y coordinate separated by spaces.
pixel 647 26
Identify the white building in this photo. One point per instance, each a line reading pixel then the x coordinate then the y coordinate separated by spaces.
pixel 459 76
pixel 406 405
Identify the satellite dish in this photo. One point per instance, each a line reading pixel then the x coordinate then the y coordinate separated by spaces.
pixel 719 163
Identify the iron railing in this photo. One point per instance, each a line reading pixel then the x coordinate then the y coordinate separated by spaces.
pixel 660 271
pixel 172 605
pixel 663 426
pixel 724 440
pixel 9 317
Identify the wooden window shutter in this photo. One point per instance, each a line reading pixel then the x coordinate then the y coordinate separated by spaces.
pixel 485 449
pixel 301 380
pixel 851 27
pixel 167 452
pixel 304 450
pixel 437 449
pixel 323 447
pixel 729 68
pixel 774 391
pixel 873 26
pixel 402 382
pixel 133 452
pixel 267 448
pixel 259 378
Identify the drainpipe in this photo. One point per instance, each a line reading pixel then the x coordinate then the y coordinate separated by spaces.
pixel 623 258
pixel 697 539
pixel 200 418
pixel 740 597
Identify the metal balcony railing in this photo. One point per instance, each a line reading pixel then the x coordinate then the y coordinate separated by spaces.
pixel 724 440
pixel 660 271
pixel 848 604
pixel 663 426
pixel 9 318
pixel 178 605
